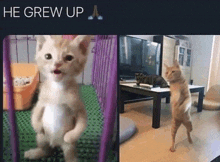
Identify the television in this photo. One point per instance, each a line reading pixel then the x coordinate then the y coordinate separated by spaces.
pixel 138 56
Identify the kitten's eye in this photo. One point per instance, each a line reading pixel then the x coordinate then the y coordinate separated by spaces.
pixel 48 56
pixel 173 71
pixel 68 58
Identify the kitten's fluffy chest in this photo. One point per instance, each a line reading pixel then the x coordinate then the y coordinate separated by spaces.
pixel 56 122
pixel 54 118
pixel 58 118
pixel 56 93
pixel 57 90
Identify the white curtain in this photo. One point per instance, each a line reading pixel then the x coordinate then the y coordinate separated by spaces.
pixel 214 74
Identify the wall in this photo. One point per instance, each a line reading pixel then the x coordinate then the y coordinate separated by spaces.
pixel 25 50
pixel 214 76
pixel 201 57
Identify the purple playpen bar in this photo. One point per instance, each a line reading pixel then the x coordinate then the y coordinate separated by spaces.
pixel 10 100
pixel 16 47
pixel 111 105
pixel 103 74
pixel 98 67
pixel 105 66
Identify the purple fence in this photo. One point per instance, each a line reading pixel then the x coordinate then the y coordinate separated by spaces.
pixel 104 79
pixel 11 110
pixel 105 51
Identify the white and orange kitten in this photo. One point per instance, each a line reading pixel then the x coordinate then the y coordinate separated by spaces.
pixel 59 117
pixel 180 101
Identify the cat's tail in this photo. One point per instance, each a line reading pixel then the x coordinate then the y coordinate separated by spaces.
pixel 80 126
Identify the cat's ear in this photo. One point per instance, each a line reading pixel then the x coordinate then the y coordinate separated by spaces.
pixel 83 42
pixel 40 40
pixel 176 64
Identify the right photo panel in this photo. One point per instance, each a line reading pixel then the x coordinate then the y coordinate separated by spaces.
pixel 169 98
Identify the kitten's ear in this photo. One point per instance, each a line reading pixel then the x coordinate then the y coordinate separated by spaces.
pixel 83 42
pixel 176 64
pixel 40 40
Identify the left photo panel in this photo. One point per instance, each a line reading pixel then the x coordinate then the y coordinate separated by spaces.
pixel 60 98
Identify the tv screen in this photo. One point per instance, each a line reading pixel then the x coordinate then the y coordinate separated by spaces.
pixel 138 56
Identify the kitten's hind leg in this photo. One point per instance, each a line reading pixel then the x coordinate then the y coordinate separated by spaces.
pixel 175 126
pixel 70 153
pixel 43 149
pixel 188 125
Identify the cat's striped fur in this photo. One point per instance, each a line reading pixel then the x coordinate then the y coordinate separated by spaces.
pixel 180 101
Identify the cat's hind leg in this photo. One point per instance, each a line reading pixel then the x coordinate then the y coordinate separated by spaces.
pixel 188 125
pixel 70 153
pixel 43 148
pixel 175 126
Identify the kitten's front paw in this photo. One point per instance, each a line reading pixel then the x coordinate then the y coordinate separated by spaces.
pixel 175 104
pixel 172 149
pixel 68 138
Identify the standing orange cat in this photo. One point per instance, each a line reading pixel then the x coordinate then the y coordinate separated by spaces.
pixel 59 117
pixel 180 101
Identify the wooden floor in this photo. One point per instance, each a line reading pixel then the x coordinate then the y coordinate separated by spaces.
pixel 152 145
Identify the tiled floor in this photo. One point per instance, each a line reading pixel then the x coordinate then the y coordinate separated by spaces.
pixel 152 145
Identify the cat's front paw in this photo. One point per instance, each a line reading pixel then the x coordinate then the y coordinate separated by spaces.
pixel 190 141
pixel 68 138
pixel 172 149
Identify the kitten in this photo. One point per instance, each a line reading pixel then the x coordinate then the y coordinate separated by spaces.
pixel 154 80
pixel 59 117
pixel 180 101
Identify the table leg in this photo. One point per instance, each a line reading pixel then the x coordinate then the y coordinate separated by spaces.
pixel 156 111
pixel 168 99
pixel 200 101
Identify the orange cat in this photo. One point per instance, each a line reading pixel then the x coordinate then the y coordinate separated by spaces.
pixel 59 117
pixel 180 101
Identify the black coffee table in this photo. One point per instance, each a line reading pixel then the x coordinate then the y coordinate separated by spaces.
pixel 157 94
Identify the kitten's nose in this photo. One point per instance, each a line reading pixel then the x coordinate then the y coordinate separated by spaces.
pixel 58 64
